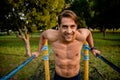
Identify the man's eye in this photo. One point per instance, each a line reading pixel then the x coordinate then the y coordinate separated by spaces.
pixel 64 26
pixel 72 26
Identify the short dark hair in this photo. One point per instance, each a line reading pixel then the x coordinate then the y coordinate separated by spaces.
pixel 69 14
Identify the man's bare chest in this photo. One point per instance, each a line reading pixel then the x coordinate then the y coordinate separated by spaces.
pixel 67 51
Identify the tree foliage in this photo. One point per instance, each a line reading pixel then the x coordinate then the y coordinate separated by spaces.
pixel 38 13
pixel 97 13
pixel 83 10
pixel 4 14
pixel 25 16
pixel 107 13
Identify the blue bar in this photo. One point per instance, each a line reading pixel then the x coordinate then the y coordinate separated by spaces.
pixel 45 48
pixel 86 47
pixel 46 57
pixel 9 75
pixel 109 63
pixel 86 57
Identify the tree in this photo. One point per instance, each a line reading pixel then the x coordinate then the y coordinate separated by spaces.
pixel 97 12
pixel 83 10
pixel 4 14
pixel 106 14
pixel 25 16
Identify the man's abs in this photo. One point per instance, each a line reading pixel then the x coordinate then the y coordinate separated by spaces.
pixel 67 72
pixel 67 58
pixel 67 67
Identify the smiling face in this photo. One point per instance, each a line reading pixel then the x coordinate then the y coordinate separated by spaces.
pixel 67 29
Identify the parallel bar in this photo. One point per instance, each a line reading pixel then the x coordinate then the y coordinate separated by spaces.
pixel 46 61
pixel 86 61
pixel 109 63
pixel 13 72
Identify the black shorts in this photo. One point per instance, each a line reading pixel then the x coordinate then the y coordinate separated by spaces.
pixel 57 77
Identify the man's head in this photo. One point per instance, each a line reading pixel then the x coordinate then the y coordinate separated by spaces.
pixel 67 14
pixel 67 22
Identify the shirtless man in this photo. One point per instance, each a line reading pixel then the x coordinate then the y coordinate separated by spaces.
pixel 66 43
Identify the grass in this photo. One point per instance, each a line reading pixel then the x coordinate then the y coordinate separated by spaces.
pixel 12 54
pixel 109 48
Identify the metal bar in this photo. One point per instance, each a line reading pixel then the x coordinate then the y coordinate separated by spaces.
pixel 46 61
pixel 14 71
pixel 86 61
pixel 109 63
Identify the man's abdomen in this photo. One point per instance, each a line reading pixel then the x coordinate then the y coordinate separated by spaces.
pixel 67 70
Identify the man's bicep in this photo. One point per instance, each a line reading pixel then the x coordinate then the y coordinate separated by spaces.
pixel 47 34
pixel 44 35
pixel 84 32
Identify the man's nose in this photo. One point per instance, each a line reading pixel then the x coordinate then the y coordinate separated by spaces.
pixel 69 30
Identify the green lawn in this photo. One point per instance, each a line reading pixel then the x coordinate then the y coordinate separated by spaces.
pixel 12 54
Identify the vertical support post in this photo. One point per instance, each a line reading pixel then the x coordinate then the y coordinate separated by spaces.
pixel 86 61
pixel 46 61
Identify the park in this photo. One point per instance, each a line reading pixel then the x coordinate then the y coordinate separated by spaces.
pixel 21 25
pixel 12 55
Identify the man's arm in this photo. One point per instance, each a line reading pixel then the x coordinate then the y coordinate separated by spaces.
pixel 90 41
pixel 43 38
pixel 88 37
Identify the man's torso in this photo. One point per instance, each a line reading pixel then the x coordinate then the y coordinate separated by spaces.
pixel 66 55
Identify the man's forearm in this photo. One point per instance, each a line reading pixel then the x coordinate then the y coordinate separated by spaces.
pixel 90 40
pixel 41 42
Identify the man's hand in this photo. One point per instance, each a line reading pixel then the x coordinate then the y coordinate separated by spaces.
pixel 95 51
pixel 36 53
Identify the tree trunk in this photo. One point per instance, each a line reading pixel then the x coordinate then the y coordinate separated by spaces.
pixel 8 33
pixel 25 36
pixel 27 45
pixel 104 32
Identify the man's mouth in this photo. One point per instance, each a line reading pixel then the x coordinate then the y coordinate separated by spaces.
pixel 68 36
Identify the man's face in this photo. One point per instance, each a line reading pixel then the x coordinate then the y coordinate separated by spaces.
pixel 68 29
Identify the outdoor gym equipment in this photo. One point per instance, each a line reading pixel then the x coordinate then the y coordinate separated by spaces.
pixel 109 63
pixel 46 62
pixel 13 72
pixel 86 61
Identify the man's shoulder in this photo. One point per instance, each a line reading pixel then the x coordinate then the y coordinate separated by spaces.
pixel 82 34
pixel 83 30
pixel 51 34
pixel 51 30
